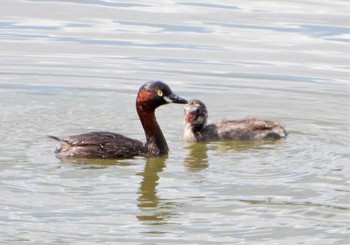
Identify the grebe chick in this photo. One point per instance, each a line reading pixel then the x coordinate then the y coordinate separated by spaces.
pixel 196 128
pixel 110 145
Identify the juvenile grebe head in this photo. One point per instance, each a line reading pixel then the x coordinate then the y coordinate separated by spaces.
pixel 196 113
pixel 155 93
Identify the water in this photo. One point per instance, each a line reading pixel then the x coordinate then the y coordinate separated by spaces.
pixel 72 67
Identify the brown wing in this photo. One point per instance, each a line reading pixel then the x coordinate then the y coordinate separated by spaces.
pixel 248 129
pixel 265 129
pixel 99 145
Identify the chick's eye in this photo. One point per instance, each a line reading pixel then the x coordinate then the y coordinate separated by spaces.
pixel 160 93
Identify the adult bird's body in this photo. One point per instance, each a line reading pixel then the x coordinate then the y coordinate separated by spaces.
pixel 111 145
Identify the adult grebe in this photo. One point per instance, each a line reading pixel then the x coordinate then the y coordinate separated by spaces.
pixel 110 145
pixel 196 128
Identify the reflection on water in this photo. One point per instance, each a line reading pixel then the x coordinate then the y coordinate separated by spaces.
pixel 87 163
pixel 241 146
pixel 153 208
pixel 197 157
pixel 197 153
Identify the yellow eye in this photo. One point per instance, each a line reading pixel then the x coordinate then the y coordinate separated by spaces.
pixel 160 93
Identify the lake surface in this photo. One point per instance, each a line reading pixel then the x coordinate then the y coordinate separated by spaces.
pixel 70 67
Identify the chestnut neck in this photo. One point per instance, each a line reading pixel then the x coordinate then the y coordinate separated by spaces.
pixel 155 141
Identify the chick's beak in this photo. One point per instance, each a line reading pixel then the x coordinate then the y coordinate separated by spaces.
pixel 173 98
pixel 190 117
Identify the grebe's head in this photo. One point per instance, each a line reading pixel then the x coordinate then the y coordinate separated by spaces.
pixel 155 93
pixel 196 113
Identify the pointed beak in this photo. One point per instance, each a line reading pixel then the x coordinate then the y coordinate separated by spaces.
pixel 173 98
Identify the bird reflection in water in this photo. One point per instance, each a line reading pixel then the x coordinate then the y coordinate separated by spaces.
pixel 154 209
pixel 197 153
pixel 197 157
